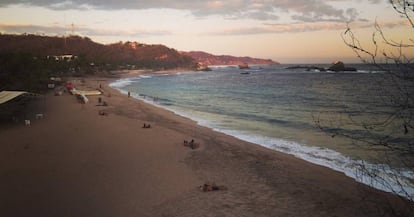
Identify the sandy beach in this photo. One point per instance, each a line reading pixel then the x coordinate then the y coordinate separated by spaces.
pixel 76 162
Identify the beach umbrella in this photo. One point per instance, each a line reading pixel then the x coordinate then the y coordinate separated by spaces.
pixel 69 85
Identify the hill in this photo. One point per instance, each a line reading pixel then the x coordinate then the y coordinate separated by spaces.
pixel 128 53
pixel 210 59
pixel 27 61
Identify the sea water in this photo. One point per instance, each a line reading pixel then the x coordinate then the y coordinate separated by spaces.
pixel 283 109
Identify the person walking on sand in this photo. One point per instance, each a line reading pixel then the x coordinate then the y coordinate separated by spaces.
pixel 129 94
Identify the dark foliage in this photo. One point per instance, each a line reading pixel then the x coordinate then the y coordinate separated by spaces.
pixel 26 61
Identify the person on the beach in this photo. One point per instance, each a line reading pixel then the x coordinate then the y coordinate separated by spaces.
pixel 211 187
pixel 129 94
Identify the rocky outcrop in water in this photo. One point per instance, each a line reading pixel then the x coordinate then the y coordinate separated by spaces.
pixel 339 66
pixel 307 68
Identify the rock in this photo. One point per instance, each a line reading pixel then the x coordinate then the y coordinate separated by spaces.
pixel 307 68
pixel 202 67
pixel 243 66
pixel 339 66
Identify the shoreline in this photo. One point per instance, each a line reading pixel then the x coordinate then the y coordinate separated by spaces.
pixel 348 173
pixel 92 165
pixel 344 164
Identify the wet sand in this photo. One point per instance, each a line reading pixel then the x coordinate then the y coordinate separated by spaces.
pixel 75 162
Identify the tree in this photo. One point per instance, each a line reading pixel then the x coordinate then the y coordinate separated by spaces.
pixel 391 136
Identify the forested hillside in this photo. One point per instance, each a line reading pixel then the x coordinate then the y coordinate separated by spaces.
pixel 27 59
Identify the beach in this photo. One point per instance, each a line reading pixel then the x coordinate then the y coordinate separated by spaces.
pixel 76 162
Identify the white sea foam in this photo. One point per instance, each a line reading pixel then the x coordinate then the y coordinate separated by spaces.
pixel 384 179
pixel 145 76
pixel 222 66
pixel 121 83
pixel 355 72
pixel 379 176
pixel 370 71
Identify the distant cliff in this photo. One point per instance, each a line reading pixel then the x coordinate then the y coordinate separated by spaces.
pixel 210 59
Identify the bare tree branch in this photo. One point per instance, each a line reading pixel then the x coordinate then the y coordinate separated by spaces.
pixel 391 136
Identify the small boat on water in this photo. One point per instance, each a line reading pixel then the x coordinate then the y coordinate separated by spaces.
pixel 244 73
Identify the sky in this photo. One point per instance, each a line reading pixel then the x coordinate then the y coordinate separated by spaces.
pixel 287 31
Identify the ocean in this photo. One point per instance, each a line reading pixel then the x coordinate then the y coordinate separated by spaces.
pixel 307 113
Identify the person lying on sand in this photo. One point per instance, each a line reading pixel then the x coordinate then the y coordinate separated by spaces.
pixel 186 142
pixel 211 187
pixel 191 144
pixel 103 113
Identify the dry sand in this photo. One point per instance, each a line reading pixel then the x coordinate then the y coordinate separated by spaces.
pixel 75 162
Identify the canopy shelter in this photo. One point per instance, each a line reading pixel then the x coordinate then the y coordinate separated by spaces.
pixel 9 95
pixel 86 92
pixel 16 104
pixel 82 94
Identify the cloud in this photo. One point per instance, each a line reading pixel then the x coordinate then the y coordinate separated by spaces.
pixel 58 30
pixel 300 27
pixel 129 33
pixel 375 1
pixel 281 28
pixel 19 29
pixel 303 10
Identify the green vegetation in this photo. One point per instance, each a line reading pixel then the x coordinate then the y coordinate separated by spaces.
pixel 28 61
